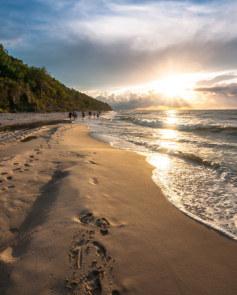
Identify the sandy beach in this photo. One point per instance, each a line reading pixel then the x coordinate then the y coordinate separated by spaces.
pixel 80 217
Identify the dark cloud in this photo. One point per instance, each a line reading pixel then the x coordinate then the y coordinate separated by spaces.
pixel 224 95
pixel 217 79
pixel 91 64
pixel 88 64
pixel 229 90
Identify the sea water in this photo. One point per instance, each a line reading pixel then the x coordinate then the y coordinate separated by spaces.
pixel 194 154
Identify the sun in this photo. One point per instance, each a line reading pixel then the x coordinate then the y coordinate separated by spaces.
pixel 173 90
pixel 175 86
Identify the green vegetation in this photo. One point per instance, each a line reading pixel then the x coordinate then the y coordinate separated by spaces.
pixel 31 89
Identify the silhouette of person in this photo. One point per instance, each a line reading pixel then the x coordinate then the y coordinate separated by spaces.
pixel 70 116
pixel 74 114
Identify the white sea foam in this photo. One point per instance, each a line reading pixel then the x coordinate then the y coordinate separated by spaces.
pixel 197 172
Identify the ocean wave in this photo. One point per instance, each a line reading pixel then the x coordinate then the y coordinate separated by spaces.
pixel 110 115
pixel 178 154
pixel 173 197
pixel 190 157
pixel 154 123
pixel 200 179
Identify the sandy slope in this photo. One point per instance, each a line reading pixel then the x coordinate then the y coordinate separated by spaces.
pixel 93 222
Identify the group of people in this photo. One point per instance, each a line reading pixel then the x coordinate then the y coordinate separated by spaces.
pixel 73 115
pixel 91 115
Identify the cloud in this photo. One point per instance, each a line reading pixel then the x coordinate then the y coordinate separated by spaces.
pixel 151 25
pixel 131 100
pixel 229 90
pixel 220 78
pixel 102 44
pixel 220 91
pixel 148 30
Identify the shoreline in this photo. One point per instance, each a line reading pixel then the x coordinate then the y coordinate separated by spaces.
pixel 185 212
pixel 111 206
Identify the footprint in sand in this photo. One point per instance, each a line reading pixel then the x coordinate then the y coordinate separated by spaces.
pixel 4 189
pixel 92 267
pixel 28 138
pixel 6 256
pixel 93 180
pixel 92 162
pixel 101 250
pixel 14 230
pixel 89 218
pixel 103 224
pixel 11 186
pixel 37 151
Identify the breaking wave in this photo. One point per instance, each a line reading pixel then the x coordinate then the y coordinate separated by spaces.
pixel 154 123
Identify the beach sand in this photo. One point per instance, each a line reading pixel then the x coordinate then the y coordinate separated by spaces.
pixel 80 217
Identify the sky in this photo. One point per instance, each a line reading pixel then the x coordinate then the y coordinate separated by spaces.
pixel 131 53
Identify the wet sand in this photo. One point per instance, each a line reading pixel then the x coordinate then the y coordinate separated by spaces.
pixel 79 217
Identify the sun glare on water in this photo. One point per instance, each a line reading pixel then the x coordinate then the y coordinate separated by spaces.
pixel 171 118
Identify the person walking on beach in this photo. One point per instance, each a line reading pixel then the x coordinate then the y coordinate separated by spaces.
pixel 74 114
pixel 83 115
pixel 70 116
